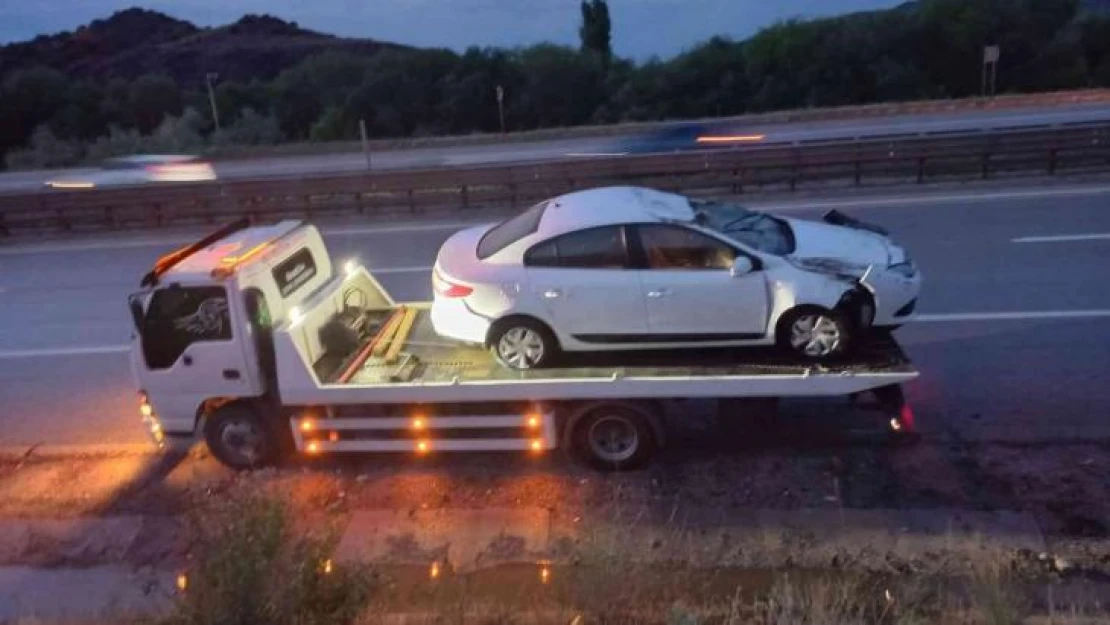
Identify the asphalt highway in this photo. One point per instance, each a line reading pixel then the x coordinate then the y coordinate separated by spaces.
pixel 1011 343
pixel 457 156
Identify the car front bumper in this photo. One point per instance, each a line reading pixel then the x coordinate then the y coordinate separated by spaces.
pixel 895 295
pixel 453 319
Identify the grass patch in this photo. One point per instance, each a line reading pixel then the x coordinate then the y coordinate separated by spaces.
pixel 251 566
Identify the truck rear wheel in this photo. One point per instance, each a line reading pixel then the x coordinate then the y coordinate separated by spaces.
pixel 241 439
pixel 614 437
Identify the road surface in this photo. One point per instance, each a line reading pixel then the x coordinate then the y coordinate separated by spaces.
pixel 603 146
pixel 1012 340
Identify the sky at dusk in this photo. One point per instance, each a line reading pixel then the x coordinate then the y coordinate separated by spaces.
pixel 641 28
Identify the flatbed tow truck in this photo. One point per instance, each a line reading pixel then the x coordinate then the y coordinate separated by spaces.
pixel 252 338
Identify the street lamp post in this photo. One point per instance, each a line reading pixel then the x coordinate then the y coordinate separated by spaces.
pixel 501 107
pixel 209 78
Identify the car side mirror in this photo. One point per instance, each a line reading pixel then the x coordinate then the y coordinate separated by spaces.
pixel 742 266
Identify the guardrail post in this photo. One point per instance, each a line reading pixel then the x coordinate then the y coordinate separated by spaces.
pixel 412 200
pixel 793 170
pixel 465 197
pixel 920 169
pixel 1051 161
pixel 4 230
pixel 859 168
pixel 986 165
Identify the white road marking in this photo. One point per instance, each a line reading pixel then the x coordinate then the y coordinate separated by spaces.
pixel 340 231
pixel 1063 238
pixel 1011 316
pixel 920 318
pixel 594 154
pixel 171 242
pixel 14 354
pixel 400 270
pixel 909 200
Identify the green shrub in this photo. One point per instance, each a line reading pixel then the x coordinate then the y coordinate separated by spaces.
pixel 250 567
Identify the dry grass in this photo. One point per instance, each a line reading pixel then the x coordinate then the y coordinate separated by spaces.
pixel 250 566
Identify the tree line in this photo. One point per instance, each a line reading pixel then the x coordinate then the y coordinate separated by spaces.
pixel 926 49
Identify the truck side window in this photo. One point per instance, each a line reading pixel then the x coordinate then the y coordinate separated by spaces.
pixel 180 316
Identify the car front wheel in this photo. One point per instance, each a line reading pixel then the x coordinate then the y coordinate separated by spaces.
pixel 523 344
pixel 816 334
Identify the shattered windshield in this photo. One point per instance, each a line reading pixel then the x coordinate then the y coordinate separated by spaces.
pixel 757 230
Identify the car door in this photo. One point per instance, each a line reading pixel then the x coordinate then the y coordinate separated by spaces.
pixel 690 291
pixel 586 284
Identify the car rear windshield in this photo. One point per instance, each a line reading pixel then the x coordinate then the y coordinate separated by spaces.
pixel 510 231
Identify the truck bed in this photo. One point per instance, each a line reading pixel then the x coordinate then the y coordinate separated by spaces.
pixel 428 358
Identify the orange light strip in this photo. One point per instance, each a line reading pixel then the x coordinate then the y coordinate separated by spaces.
pixel 235 260
pixel 731 138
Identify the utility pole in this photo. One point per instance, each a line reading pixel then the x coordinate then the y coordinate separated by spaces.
pixel 501 107
pixel 209 78
pixel 365 142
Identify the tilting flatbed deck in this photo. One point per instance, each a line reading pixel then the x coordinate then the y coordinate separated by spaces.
pixel 437 360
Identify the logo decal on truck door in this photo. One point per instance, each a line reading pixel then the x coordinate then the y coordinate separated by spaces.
pixel 208 320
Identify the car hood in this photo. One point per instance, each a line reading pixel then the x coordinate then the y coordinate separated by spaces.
pixel 814 240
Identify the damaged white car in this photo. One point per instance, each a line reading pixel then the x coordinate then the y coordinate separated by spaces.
pixel 623 268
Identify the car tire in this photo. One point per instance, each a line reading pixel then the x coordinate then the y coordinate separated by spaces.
pixel 240 438
pixel 523 343
pixel 614 437
pixel 815 333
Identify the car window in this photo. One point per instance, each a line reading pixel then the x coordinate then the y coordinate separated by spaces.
pixel 510 231
pixel 178 317
pixel 672 247
pixel 596 248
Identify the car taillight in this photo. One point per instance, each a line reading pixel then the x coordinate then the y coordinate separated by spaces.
pixel 446 288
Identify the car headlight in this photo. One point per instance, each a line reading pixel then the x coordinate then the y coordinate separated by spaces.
pixel 906 269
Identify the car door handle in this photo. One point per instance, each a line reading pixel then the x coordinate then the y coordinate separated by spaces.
pixel 187 360
pixel 231 374
pixel 658 293
pixel 553 293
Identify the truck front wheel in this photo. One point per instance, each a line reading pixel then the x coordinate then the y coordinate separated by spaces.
pixel 239 438
pixel 614 437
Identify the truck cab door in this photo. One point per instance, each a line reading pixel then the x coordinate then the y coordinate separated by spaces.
pixel 189 349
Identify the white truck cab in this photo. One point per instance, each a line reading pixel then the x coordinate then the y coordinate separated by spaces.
pixel 253 338
pixel 203 318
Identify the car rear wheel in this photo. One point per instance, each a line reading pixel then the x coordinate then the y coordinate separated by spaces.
pixel 523 343
pixel 815 334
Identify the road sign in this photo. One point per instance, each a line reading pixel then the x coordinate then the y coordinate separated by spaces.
pixel 991 54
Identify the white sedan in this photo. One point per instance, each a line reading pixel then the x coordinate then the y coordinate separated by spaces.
pixel 633 268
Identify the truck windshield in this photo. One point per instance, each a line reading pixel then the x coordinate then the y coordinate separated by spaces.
pixel 180 316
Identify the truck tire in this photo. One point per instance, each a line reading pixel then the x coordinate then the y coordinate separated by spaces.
pixel 614 437
pixel 240 438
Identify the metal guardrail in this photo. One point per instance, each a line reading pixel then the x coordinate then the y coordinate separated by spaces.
pixel 1078 148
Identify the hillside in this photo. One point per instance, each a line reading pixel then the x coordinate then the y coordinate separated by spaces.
pixel 138 41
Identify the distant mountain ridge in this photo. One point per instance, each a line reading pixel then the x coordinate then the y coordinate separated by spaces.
pixel 137 41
